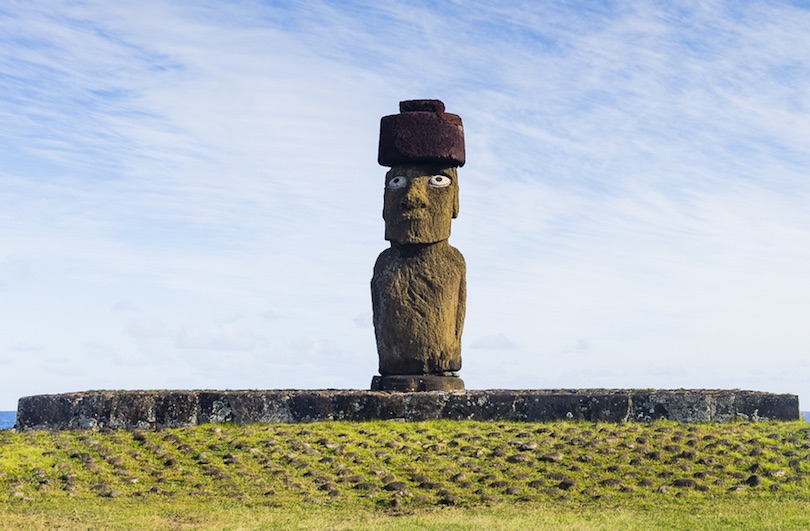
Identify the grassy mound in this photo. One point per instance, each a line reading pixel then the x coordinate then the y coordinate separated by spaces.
pixel 383 468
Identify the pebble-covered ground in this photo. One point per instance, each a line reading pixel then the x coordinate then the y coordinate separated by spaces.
pixel 395 464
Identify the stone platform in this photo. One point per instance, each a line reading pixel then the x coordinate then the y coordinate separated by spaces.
pixel 416 382
pixel 166 409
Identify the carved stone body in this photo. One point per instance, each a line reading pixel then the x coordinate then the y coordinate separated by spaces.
pixel 418 297
pixel 419 285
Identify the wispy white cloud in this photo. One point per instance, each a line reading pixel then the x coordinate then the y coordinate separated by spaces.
pixel 494 342
pixel 636 179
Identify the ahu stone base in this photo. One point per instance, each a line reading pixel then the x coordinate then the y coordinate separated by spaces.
pixel 169 409
pixel 416 382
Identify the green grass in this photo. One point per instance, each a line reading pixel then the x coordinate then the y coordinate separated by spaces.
pixel 439 474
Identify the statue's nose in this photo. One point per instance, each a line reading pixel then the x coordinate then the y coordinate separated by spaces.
pixel 414 198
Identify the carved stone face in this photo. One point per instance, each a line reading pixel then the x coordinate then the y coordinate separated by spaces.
pixel 420 202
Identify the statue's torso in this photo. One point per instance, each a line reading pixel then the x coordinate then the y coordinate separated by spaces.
pixel 419 298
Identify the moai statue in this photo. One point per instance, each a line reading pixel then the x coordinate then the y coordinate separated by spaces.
pixel 418 290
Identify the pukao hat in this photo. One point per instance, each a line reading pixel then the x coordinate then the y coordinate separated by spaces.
pixel 421 133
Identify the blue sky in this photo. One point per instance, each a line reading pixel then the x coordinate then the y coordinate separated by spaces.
pixel 189 193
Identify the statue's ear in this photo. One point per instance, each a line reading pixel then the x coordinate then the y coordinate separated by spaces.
pixel 455 203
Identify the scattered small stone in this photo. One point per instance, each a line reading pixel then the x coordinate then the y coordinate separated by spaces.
pixel 688 454
pixel 520 458
pixel 396 486
pixel 656 455
pixel 450 499
pixel 421 500
pixel 753 481
pixel 566 484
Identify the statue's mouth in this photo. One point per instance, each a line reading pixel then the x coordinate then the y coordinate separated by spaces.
pixel 411 216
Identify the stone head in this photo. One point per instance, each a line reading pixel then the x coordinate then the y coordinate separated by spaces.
pixel 423 146
pixel 419 203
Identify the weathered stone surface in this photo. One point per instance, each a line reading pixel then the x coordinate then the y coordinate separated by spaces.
pixel 419 203
pixel 419 283
pixel 419 295
pixel 410 383
pixel 422 132
pixel 708 405
pixel 175 409
pixel 418 288
pixel 164 409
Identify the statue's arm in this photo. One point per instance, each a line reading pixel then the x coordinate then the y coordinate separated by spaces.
pixel 462 300
pixel 376 296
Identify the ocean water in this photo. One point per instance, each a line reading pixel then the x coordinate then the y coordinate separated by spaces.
pixel 7 419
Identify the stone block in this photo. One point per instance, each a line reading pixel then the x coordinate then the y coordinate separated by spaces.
pixel 175 409
pixel 411 383
pixel 162 409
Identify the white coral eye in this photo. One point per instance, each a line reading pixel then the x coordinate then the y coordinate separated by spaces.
pixel 439 181
pixel 397 182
